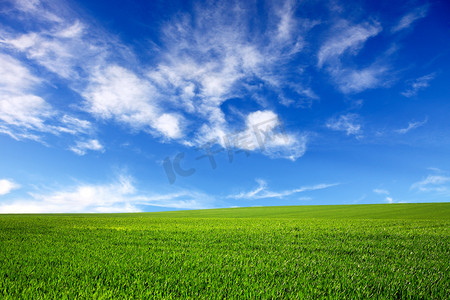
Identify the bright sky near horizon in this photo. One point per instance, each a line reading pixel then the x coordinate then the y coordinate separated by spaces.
pixel 113 106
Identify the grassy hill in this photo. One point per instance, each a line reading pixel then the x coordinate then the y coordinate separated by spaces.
pixel 341 252
pixel 365 211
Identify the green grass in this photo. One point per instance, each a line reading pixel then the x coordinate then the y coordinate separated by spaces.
pixel 344 252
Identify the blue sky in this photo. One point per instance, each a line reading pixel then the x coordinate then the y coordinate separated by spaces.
pixel 112 106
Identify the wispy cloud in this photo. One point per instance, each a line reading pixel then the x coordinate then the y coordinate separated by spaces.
pixel 215 57
pixel 65 46
pixel 433 183
pixel 349 123
pixel 203 60
pixel 436 170
pixel 19 108
pixel 262 192
pixel 82 147
pixel 348 39
pixel 381 191
pixel 35 9
pixel 263 132
pixel 118 196
pixel 24 114
pixel 357 80
pixel 267 132
pixel 407 20
pixel 389 200
pixel 82 55
pixel 262 185
pixel 115 92
pixel 16 77
pixel 387 197
pixel 418 84
pixel 411 126
pixel 6 186
pixel 74 125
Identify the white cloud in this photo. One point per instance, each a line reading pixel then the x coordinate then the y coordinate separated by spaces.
pixel 15 76
pixel 64 49
pixel 267 134
pixel 203 60
pixel 209 58
pixel 20 110
pixel 381 191
pixel 169 125
pixel 262 185
pixel 6 186
pixel 63 45
pixel 418 84
pixel 118 196
pixel 263 132
pixel 73 31
pixel 78 53
pixel 433 183
pixel 26 111
pixel 349 123
pixel 28 117
pixel 436 170
pixel 411 17
pixel 118 93
pixel 36 9
pixel 288 28
pixel 261 192
pixel 347 38
pixel 355 81
pixel 83 146
pixel 27 5
pixel 25 115
pixel 386 193
pixel 74 125
pixel 411 126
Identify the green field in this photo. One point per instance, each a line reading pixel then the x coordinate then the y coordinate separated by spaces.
pixel 390 251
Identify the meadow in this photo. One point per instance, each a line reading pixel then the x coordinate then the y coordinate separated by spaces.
pixel 394 251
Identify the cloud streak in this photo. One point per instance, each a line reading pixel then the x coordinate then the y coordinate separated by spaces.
pixel 82 147
pixel 418 84
pixel 350 39
pixel 349 123
pixel 20 110
pixel 118 196
pixel 25 115
pixel 433 183
pixel 411 126
pixel 407 20
pixel 346 41
pixel 381 192
pixel 384 193
pixel 262 192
